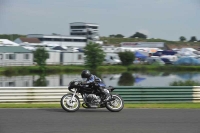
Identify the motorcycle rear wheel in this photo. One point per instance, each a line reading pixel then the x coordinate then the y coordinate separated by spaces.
pixel 70 105
pixel 116 105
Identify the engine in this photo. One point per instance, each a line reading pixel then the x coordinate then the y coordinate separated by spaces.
pixel 93 99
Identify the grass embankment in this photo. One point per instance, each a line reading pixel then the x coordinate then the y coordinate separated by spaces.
pixel 171 44
pixel 24 70
pixel 134 105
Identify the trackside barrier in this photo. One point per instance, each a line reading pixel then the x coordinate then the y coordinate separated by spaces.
pixel 159 94
pixel 130 94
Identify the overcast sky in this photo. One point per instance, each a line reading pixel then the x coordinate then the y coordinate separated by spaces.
pixel 166 19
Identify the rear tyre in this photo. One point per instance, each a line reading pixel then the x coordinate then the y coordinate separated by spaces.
pixel 116 105
pixel 69 104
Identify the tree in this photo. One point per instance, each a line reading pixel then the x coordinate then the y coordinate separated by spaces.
pixel 182 39
pixel 126 57
pixel 94 55
pixel 119 36
pixel 193 39
pixel 139 35
pixel 40 56
pixel 126 79
pixel 41 81
pixel 111 36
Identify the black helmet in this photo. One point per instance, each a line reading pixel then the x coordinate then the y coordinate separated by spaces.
pixel 85 74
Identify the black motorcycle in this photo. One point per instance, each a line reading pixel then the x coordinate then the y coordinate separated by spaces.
pixel 91 97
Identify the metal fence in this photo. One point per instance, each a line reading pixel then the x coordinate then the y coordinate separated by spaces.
pixel 129 94
pixel 159 94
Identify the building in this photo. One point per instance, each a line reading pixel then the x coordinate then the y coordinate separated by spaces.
pixel 15 56
pixel 16 81
pixel 54 57
pixel 89 30
pixel 72 58
pixel 27 41
pixel 61 40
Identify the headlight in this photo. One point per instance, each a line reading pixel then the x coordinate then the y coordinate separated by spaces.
pixel 75 83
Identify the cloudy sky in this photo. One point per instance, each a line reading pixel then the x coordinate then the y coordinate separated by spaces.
pixel 166 19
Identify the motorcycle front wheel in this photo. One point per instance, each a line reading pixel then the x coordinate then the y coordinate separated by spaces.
pixel 115 105
pixel 69 104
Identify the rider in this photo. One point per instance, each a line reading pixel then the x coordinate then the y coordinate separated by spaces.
pixel 90 78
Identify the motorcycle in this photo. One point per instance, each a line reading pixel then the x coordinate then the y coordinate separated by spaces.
pixel 92 97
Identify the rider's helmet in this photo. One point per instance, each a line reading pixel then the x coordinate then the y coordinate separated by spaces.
pixel 85 74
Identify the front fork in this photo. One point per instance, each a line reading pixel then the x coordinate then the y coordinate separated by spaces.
pixel 72 99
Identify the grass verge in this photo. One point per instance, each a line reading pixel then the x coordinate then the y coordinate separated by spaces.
pixel 135 105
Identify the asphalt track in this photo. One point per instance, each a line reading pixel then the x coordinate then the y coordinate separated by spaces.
pixel 100 121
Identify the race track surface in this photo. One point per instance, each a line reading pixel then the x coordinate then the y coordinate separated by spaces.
pixel 100 121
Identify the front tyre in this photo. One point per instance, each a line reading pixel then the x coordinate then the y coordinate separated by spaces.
pixel 116 105
pixel 69 104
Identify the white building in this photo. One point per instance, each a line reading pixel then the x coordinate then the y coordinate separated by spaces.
pixel 72 58
pixel 54 57
pixel 15 56
pixel 84 29
pixel 16 81
pixel 61 40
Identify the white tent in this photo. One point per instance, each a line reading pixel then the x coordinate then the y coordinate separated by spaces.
pixel 6 42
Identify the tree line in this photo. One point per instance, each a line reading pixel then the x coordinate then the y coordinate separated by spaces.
pixel 11 37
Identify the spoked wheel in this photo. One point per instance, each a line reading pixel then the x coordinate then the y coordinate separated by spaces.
pixel 69 104
pixel 116 105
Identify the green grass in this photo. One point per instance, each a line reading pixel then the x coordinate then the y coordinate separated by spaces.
pixel 165 105
pixel 134 105
pixel 117 41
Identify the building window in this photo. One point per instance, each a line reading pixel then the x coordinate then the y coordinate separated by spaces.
pixel 76 30
pixel 93 27
pixel 1 56
pixel 26 83
pixel 47 39
pixel 77 40
pixel 26 56
pixel 68 40
pixel 80 57
pixel 10 56
pixel 41 39
pixel 48 57
pixel 47 83
pixel 10 84
pixel 57 39
pixel 78 27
